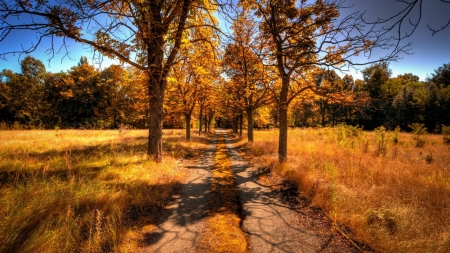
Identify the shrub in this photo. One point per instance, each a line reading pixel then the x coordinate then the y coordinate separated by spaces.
pixel 419 133
pixel 381 139
pixel 396 133
pixel 446 133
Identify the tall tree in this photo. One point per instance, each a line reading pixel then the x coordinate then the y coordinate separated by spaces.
pixel 22 93
pixel 302 35
pixel 375 77
pixel 143 33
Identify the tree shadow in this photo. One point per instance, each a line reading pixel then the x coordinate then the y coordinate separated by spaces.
pixel 175 147
pixel 188 208
pixel 279 220
pixel 131 213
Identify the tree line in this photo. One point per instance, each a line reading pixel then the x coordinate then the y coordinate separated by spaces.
pixel 86 97
pixel 81 97
pixel 379 99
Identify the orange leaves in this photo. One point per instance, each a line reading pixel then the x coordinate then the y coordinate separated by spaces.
pixel 63 22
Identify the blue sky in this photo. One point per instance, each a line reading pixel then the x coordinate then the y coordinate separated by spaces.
pixel 428 52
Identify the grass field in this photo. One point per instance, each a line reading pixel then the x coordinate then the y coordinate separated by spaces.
pixel 84 191
pixel 392 190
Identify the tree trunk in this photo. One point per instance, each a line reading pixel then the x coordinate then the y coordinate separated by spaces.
pixel 200 118
pixel 241 124
pixel 156 87
pixel 250 125
pixel 156 122
pixel 187 117
pixel 283 120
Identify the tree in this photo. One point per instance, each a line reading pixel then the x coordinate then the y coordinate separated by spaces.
pixel 246 71
pixel 22 94
pixel 142 33
pixel 302 36
pixel 196 67
pixel 441 76
pixel 116 96
pixel 82 95
pixel 406 21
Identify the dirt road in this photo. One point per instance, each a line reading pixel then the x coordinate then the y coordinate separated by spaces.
pixel 271 224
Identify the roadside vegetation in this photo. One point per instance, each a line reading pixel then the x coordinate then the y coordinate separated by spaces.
pixel 84 191
pixel 392 189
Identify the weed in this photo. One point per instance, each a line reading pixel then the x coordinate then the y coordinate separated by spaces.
pixel 381 137
pixel 382 218
pixel 429 158
pixel 419 133
pixel 365 142
pixel 332 172
pixel 395 136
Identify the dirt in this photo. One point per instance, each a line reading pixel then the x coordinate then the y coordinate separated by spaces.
pixel 275 219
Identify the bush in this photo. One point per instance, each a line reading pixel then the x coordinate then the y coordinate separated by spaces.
pixel 419 133
pixel 381 139
pixel 446 133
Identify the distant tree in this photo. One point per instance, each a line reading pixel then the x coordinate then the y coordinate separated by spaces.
pixel 196 66
pixel 243 66
pixel 21 96
pixel 115 100
pixel 375 76
pixel 441 76
pixel 82 96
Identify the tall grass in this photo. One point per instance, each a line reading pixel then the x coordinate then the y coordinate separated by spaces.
pixel 83 191
pixel 395 202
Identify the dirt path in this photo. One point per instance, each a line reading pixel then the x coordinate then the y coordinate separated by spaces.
pixel 271 225
pixel 181 224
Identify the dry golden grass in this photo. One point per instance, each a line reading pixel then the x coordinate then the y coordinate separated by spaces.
pixel 83 191
pixel 395 201
pixel 223 232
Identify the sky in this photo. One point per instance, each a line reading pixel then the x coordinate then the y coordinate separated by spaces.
pixel 427 53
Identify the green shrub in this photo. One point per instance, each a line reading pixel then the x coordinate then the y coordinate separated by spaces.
pixel 446 133
pixel 381 138
pixel 419 133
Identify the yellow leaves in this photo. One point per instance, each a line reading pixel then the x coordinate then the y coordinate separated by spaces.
pixel 185 41
pixel 171 79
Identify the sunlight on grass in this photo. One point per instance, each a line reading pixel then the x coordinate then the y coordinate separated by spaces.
pixel 80 190
pixel 396 200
